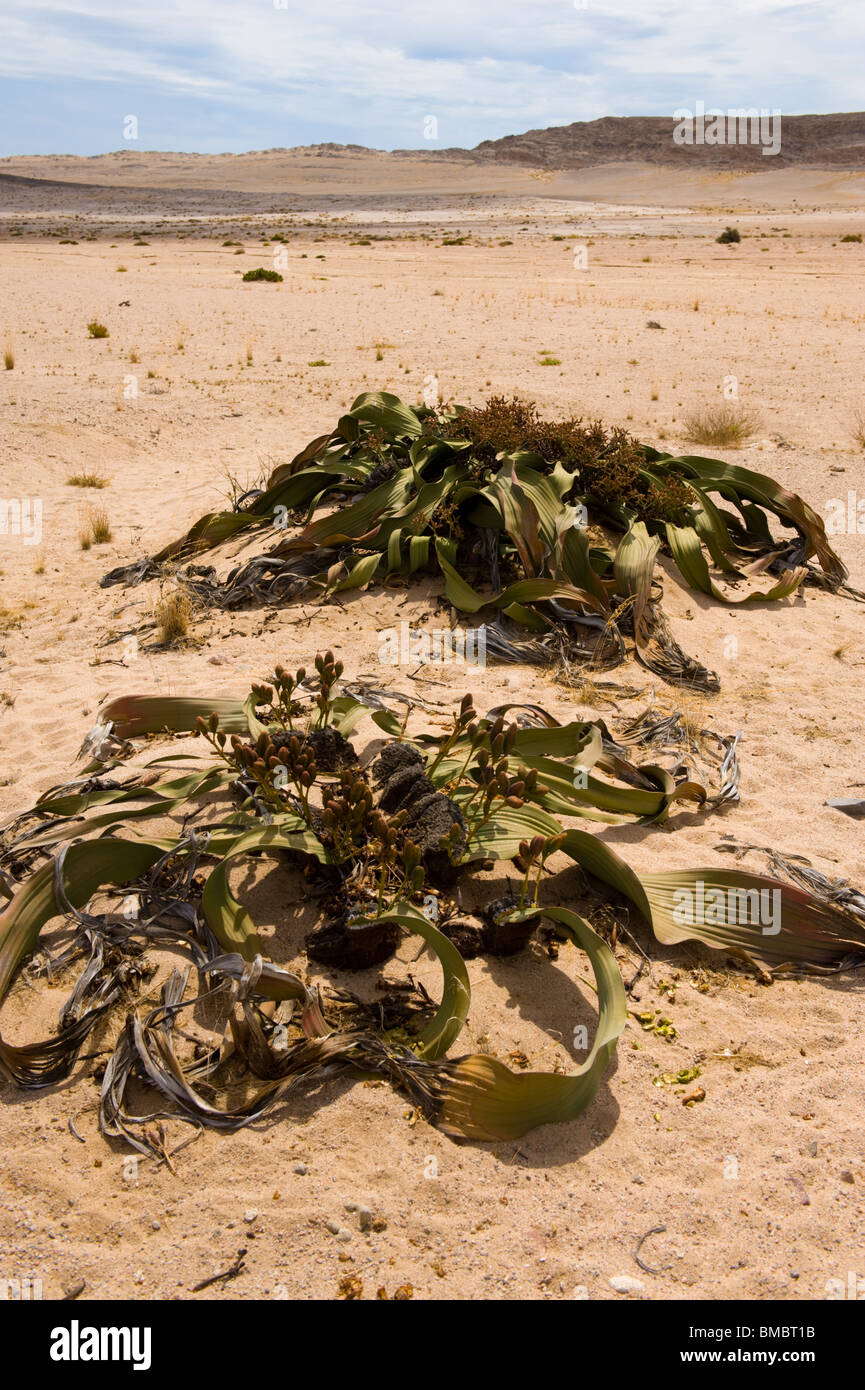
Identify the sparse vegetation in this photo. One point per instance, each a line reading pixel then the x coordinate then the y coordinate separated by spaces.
pixel 261 274
pixel 547 481
pixel 173 614
pixel 95 528
pixel 97 329
pixel 729 237
pixel 852 236
pixel 86 480
pixel 725 424
pixel 8 359
pixel 377 841
pixel 859 428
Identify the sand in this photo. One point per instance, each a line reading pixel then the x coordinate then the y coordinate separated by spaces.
pixel 760 1187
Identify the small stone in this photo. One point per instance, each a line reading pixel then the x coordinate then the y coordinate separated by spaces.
pixel 847 1176
pixel 812 1148
pixel 351 1206
pixel 250 1215
pixel 624 1283
pixel 333 1227
pixel 156 1226
pixel 364 1218
pixel 343 1234
pixel 301 1168
pixel 637 1178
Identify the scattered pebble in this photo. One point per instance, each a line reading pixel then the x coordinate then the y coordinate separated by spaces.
pixel 365 1217
pixel 301 1168
pixel 250 1215
pixel 847 1176
pixel 624 1283
pixel 156 1226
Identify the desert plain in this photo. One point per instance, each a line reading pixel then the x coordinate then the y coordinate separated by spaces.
pixel 205 383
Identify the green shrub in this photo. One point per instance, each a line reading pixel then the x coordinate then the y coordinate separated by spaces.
pixel 260 274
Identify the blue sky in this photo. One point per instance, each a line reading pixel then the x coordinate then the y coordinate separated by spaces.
pixel 234 75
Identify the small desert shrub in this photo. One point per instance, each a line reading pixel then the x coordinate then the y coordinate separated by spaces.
pixel 9 359
pixel 97 329
pixel 86 480
pixel 261 274
pixel 724 424
pixel 859 428
pixel 549 362
pixel 730 235
pixel 173 613
pixel 852 236
pixel 319 362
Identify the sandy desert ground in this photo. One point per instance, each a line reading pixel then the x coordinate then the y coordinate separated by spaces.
pixel 226 386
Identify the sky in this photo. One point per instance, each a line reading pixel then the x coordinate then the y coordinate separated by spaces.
pixel 235 75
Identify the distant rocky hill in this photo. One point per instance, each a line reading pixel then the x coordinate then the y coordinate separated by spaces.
pixel 835 141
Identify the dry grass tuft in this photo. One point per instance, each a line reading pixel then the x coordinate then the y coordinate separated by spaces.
pixel 725 424
pixel 173 615
pixel 86 480
pixel 95 528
